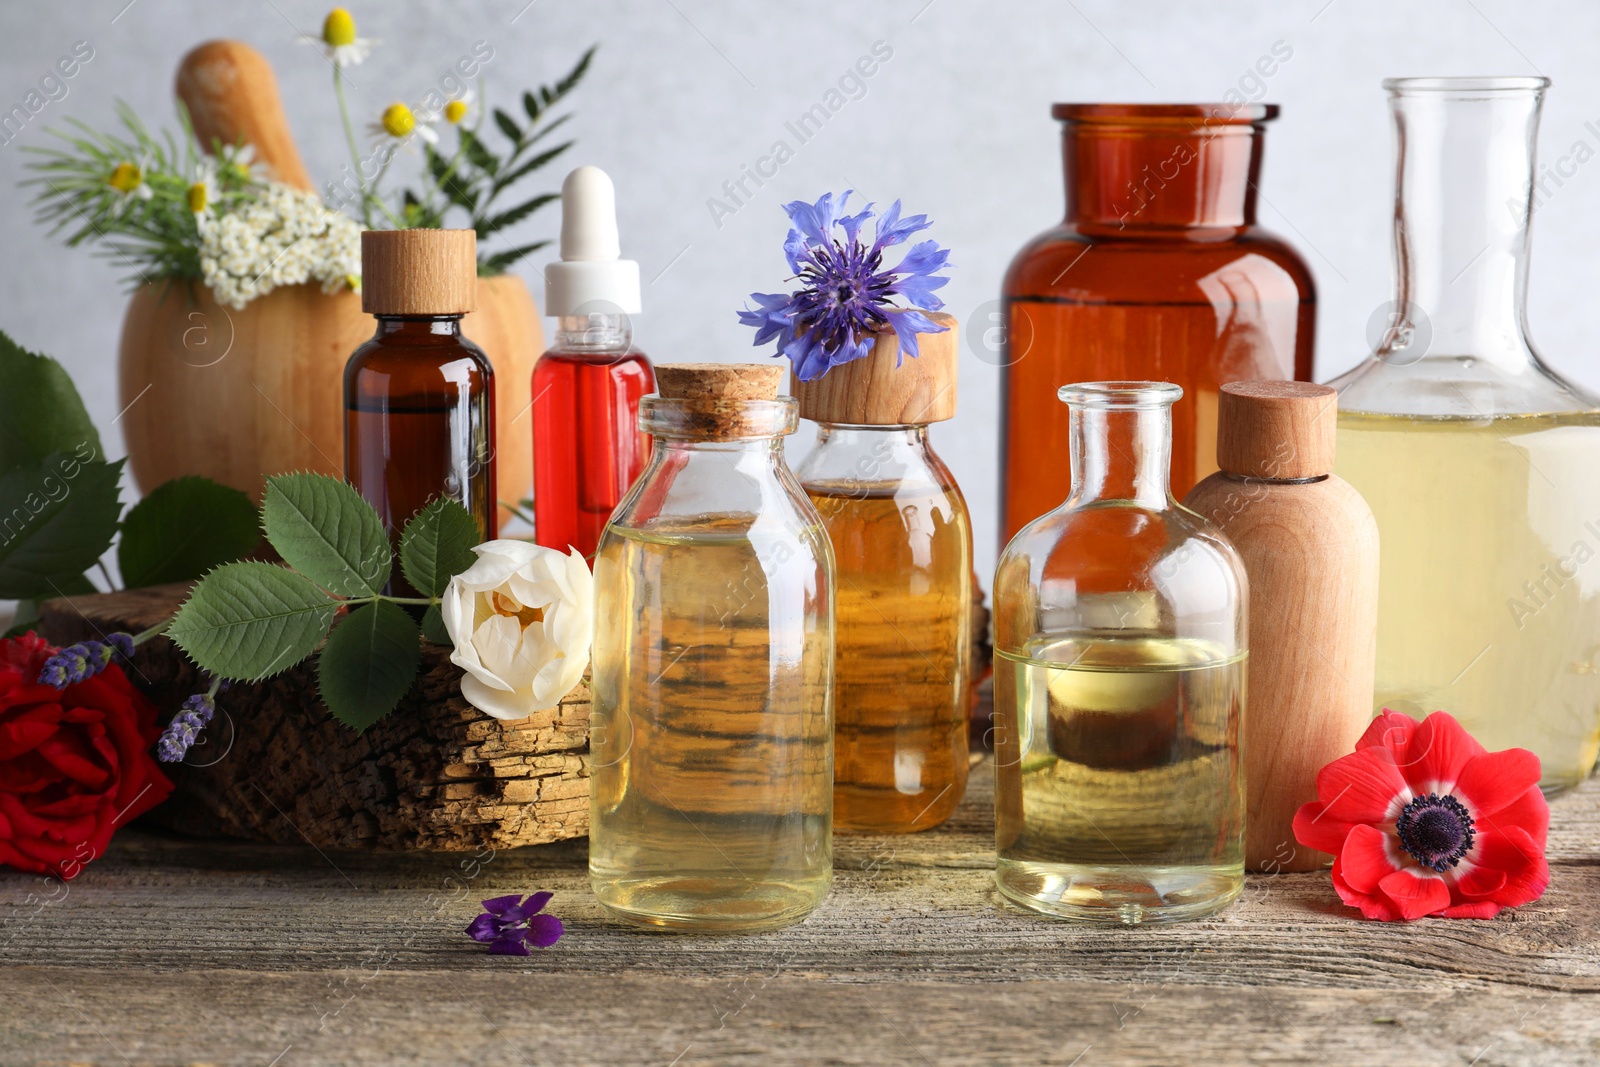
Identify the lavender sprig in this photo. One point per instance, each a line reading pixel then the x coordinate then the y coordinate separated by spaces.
pixel 184 729
pixel 847 294
pixel 82 661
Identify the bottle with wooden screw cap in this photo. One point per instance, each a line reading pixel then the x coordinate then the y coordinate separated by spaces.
pixel 902 547
pixel 711 732
pixel 1310 549
pixel 419 397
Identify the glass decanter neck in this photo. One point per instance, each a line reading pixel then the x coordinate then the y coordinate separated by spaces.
pixel 1120 437
pixel 1463 202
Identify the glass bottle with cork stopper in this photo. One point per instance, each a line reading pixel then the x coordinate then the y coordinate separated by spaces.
pixel 902 546
pixel 419 396
pixel 711 734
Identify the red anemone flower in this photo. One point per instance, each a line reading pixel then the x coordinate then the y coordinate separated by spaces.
pixel 1421 820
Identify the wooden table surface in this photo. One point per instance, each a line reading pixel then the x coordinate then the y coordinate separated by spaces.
pixel 174 951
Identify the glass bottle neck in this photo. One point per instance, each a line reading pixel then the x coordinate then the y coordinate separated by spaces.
pixel 1165 175
pixel 1463 200
pixel 1121 454
pixel 594 333
pixel 419 325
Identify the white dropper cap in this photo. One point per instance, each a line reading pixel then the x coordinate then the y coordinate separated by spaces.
pixel 592 276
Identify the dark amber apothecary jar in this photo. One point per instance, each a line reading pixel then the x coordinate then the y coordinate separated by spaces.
pixel 1158 272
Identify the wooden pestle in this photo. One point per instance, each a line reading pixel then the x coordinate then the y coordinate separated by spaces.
pixel 232 96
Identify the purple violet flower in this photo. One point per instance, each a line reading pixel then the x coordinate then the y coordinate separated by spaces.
pixel 184 729
pixel 847 294
pixel 82 661
pixel 510 924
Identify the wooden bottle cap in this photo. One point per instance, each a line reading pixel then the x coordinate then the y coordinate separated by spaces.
pixel 719 381
pixel 872 391
pixel 1278 431
pixel 419 272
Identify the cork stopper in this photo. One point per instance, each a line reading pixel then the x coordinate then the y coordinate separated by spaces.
pixel 719 381
pixel 1278 431
pixel 872 391
pixel 419 272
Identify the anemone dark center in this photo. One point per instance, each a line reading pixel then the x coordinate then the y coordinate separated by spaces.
pixel 1437 831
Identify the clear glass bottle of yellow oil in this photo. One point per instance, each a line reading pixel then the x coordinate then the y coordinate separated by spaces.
pixel 1119 684
pixel 711 737
pixel 1480 464
pixel 902 546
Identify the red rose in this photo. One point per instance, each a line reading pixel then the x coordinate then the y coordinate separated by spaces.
pixel 75 763
pixel 1421 820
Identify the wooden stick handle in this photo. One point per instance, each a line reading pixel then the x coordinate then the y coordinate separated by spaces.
pixel 232 96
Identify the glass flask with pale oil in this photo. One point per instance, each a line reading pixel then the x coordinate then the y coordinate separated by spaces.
pixel 1119 684
pixel 1481 465
pixel 902 548
pixel 711 737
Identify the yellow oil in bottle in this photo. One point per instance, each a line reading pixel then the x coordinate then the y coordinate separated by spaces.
pixel 902 648
pixel 711 726
pixel 1489 595
pixel 1119 796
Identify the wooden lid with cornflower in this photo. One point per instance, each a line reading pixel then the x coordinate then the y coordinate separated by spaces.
pixel 867 343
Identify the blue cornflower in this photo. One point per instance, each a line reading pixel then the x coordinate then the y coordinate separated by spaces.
pixel 510 924
pixel 84 660
pixel 848 295
pixel 184 729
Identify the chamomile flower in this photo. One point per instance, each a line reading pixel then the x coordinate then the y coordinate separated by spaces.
pixel 456 111
pixel 240 166
pixel 400 122
pixel 339 41
pixel 203 194
pixel 127 184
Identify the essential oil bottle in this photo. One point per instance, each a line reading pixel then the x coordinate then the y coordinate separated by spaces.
pixel 711 734
pixel 902 547
pixel 419 397
pixel 587 447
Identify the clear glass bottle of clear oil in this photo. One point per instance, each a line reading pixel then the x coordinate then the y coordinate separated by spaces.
pixel 712 725
pixel 1481 465
pixel 1119 684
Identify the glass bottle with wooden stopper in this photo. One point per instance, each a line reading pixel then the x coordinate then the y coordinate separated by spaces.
pixel 711 734
pixel 1310 550
pixel 902 547
pixel 419 396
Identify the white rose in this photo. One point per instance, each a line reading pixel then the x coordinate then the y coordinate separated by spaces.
pixel 522 618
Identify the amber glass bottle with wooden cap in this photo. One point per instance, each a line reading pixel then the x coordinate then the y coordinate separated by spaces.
pixel 1158 271
pixel 902 547
pixel 711 733
pixel 1310 549
pixel 419 397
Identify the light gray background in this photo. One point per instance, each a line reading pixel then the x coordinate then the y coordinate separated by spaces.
pixel 684 92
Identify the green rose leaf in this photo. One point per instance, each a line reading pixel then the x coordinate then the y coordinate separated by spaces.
pixel 433 627
pixel 57 517
pixel 368 664
pixel 437 545
pixel 184 528
pixel 324 530
pixel 40 410
pixel 248 621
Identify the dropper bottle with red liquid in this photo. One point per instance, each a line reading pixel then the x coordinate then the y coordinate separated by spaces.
pixel 587 448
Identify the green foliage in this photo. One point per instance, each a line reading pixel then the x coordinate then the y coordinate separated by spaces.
pixel 472 179
pixel 57 517
pixel 40 410
pixel 368 664
pixel 156 237
pixel 249 621
pixel 437 545
pixel 324 530
pixel 183 529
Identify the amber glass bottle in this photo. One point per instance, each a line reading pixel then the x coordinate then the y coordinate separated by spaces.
pixel 419 397
pixel 902 548
pixel 1158 272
